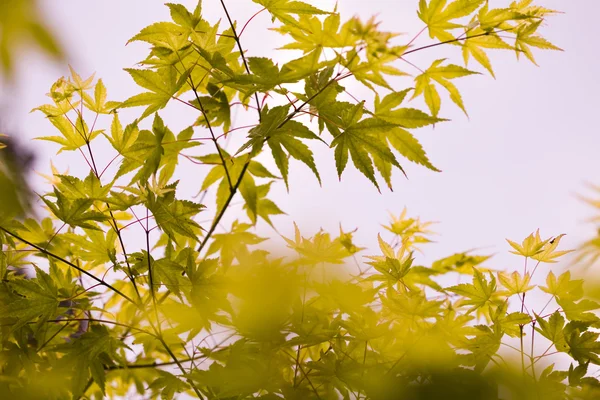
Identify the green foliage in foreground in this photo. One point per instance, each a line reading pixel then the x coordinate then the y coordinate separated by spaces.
pixel 213 314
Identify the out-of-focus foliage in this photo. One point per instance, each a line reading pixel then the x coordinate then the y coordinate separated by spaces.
pixel 590 251
pixel 15 195
pixel 218 313
pixel 21 25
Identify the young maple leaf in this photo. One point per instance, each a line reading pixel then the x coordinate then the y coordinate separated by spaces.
pixel 279 133
pixel 531 245
pixel 564 287
pixel 320 248
pixel 173 215
pixel 440 18
pixel 361 140
pixel 234 244
pixel 425 85
pixel 515 283
pixel 477 294
pixel 527 38
pixel 583 346
pixel 75 212
pixel 162 85
pixel 553 330
pixel 231 171
pixel 73 136
pixel 264 206
pixel 548 253
pixel 36 298
pixel 392 267
pixel 284 9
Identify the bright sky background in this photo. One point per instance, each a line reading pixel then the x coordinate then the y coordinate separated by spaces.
pixel 516 165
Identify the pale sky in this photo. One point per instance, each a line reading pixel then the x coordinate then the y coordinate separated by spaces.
pixel 516 165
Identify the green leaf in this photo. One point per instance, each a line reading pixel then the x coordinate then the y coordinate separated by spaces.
pixel 564 287
pixel 91 188
pixel 95 246
pixel 162 85
pixel 282 135
pixel 234 244
pixel 216 108
pixel 151 150
pixel 86 356
pixel 173 215
pixel 526 38
pixel 264 207
pixel 477 294
pixel 408 146
pixel 515 283
pixel 439 17
pixel 75 213
pixel 583 347
pixel 73 137
pixel 425 84
pixel 553 330
pixel 579 311
pixel 168 384
pixel 283 10
pixel 361 140
pixel 36 298
pixel 531 245
pixel 120 139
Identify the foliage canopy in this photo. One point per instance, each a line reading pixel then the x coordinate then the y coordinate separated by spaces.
pixel 216 315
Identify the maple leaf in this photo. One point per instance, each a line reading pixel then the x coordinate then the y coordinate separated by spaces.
pixel 439 17
pixel 424 85
pixel 168 384
pixel 515 283
pixel 173 215
pixel 234 244
pixel 280 134
pixel 121 140
pixel 474 43
pixel 564 287
pixel 526 38
pixel 477 294
pixel 583 346
pixel 35 298
pixel 162 85
pixel 392 266
pixel 553 330
pixel 90 188
pixel 483 346
pixel 460 262
pixel 548 253
pixel 264 207
pixel 95 246
pixel 183 17
pixel 361 140
pixel 508 323
pixel 578 311
pixel 98 103
pixel 320 248
pixel 216 108
pixel 87 355
pixel 284 9
pixel 73 136
pixel 75 212
pixel 531 245
pixel 150 150
pixel 235 165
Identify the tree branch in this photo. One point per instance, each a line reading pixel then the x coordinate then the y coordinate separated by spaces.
pixel 70 264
